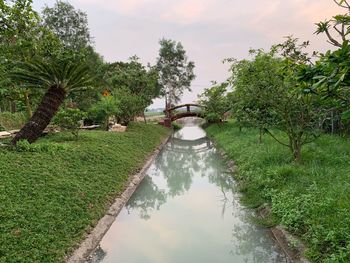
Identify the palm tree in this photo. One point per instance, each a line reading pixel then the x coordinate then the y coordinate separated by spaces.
pixel 59 78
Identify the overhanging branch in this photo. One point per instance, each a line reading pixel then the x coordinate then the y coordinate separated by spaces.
pixel 274 137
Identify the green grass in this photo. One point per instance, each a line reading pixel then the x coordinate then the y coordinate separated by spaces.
pixel 154 114
pixel 311 200
pixel 50 197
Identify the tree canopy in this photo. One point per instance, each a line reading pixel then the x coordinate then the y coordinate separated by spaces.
pixel 68 24
pixel 175 71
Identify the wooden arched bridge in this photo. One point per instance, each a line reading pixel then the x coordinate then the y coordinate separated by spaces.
pixel 182 111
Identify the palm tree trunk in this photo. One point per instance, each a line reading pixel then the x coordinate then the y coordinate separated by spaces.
pixel 47 109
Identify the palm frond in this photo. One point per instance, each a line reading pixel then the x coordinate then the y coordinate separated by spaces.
pixel 68 75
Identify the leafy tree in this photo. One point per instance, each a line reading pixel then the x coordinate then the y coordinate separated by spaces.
pixel 85 98
pixel 175 72
pixel 69 24
pixel 337 29
pixel 134 85
pixel 71 27
pixel 18 19
pixel 216 102
pixel 254 82
pixel 129 106
pixel 329 78
pixel 19 24
pixel 271 95
pixel 58 78
pixel 22 38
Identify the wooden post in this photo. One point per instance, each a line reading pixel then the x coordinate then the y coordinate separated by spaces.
pixel 188 108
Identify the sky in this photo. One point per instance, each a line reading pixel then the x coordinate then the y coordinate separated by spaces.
pixel 210 30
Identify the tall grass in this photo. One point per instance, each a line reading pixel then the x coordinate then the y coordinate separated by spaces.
pixel 12 121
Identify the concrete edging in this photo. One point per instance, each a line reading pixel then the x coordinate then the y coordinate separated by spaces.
pixel 91 242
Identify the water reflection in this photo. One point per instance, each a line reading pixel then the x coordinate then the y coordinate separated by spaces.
pixel 147 198
pixel 98 256
pixel 180 163
pixel 187 210
pixel 253 246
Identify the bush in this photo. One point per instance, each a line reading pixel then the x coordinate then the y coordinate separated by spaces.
pixel 25 146
pixel 70 120
pixel 103 109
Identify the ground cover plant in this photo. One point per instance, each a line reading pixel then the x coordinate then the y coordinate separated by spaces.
pixel 311 199
pixel 50 196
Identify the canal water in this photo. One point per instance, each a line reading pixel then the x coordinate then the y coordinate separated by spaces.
pixel 187 210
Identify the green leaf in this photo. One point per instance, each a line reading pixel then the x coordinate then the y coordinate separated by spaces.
pixel 346 115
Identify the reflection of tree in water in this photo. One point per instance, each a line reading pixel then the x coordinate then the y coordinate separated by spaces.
pixel 252 242
pixel 248 239
pixel 216 171
pixel 147 197
pixel 217 174
pixel 177 166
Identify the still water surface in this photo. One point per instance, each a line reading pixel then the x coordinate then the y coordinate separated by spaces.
pixel 186 210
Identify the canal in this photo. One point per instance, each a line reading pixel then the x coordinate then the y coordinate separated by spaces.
pixel 187 209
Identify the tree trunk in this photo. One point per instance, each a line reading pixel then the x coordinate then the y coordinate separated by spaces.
pixel 144 117
pixel 297 152
pixel 260 135
pixel 47 109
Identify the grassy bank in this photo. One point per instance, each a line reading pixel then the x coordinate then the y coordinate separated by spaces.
pixel 311 200
pixel 51 194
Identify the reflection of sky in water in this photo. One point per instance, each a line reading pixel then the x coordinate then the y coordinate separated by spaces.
pixel 186 211
pixel 190 133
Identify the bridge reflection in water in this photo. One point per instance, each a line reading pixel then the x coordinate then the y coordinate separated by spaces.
pixel 180 145
pixel 187 209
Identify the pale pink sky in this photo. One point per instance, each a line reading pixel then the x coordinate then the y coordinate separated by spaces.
pixel 210 30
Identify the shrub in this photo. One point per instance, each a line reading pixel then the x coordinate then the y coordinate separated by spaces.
pixel 25 146
pixel 103 110
pixel 70 119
